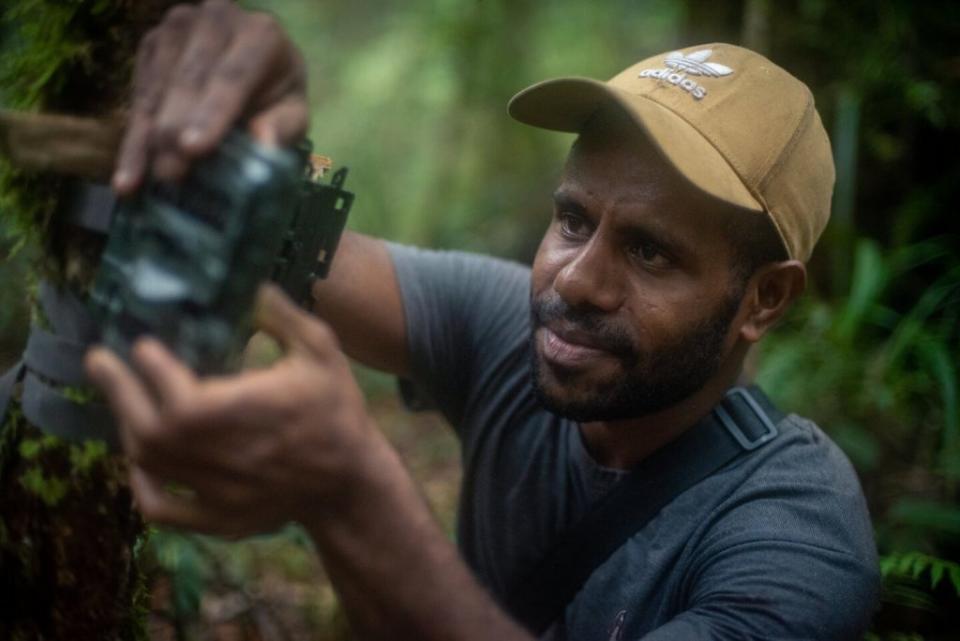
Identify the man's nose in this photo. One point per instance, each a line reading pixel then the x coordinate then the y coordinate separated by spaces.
pixel 591 279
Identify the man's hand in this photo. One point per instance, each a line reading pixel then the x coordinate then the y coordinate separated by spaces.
pixel 243 454
pixel 202 70
pixel 251 451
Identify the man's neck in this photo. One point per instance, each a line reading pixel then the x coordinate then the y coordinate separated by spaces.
pixel 624 443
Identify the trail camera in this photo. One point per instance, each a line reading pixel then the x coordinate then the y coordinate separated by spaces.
pixel 183 261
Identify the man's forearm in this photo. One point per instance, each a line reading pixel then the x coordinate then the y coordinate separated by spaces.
pixel 360 299
pixel 397 575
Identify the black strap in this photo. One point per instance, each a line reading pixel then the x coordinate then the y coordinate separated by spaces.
pixel 55 358
pixel 91 207
pixel 52 363
pixel 68 315
pixel 53 412
pixel 743 421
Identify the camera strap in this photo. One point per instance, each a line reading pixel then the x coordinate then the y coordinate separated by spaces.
pixel 742 422
pixel 51 369
pixel 91 207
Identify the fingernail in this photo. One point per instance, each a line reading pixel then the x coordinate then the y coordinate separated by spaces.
pixel 145 347
pixel 266 297
pixel 267 136
pixel 121 180
pixel 272 293
pixel 94 362
pixel 192 137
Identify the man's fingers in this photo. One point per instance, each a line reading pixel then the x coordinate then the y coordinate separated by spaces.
pixel 160 506
pixel 156 58
pixel 159 503
pixel 293 327
pixel 246 68
pixel 210 35
pixel 128 398
pixel 132 158
pixel 282 124
pixel 173 381
pixel 198 74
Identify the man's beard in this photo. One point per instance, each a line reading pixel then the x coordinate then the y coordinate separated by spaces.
pixel 651 381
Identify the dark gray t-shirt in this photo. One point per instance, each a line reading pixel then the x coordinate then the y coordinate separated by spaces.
pixel 776 545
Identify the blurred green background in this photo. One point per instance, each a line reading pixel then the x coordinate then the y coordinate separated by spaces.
pixel 412 97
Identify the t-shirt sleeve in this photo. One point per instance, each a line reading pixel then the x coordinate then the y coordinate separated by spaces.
pixel 462 310
pixel 776 590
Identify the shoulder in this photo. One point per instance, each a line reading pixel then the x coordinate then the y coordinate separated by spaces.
pixel 470 302
pixel 793 534
pixel 467 318
pixel 782 542
pixel 415 264
pixel 799 488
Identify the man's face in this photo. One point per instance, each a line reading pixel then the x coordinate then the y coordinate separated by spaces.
pixel 633 293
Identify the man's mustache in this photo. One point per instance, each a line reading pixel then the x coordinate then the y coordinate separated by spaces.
pixel 550 309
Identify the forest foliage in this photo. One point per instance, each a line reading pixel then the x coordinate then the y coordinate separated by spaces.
pixel 412 97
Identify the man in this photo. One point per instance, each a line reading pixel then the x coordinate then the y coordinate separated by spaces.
pixel 697 187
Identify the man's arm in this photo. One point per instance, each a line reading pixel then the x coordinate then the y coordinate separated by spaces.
pixel 360 299
pixel 294 442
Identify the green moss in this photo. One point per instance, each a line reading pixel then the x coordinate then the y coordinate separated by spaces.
pixel 136 628
pixel 86 455
pixel 50 490
pixel 66 56
pixel 80 395
pixel 68 528
pixel 11 432
pixel 31 448
pixel 44 45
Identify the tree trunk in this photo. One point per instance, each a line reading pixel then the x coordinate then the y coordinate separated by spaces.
pixel 69 536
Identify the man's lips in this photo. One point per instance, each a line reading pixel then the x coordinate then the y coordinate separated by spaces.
pixel 569 348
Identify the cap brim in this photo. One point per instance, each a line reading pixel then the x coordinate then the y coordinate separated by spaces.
pixel 566 104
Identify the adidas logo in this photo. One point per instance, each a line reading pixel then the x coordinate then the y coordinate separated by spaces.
pixel 696 64
pixel 693 64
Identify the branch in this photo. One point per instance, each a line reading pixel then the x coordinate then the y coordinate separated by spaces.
pixel 82 147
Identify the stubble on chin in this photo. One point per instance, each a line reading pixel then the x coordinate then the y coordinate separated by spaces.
pixel 648 382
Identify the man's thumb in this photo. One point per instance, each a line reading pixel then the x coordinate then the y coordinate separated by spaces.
pixel 293 327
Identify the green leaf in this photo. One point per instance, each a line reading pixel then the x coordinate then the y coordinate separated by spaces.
pixel 909 596
pixel 904 564
pixel 869 279
pixel 936 574
pixel 936 357
pixel 912 564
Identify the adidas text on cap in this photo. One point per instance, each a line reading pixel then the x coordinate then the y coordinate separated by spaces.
pixel 733 123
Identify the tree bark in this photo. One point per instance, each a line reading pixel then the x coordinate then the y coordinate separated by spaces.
pixel 69 536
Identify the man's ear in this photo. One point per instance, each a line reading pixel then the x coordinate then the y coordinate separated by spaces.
pixel 770 292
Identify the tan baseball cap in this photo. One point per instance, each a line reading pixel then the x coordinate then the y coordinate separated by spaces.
pixel 736 125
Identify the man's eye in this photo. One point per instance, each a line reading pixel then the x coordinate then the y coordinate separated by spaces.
pixel 650 254
pixel 572 225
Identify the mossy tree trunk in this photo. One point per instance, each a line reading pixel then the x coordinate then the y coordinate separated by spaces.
pixel 69 535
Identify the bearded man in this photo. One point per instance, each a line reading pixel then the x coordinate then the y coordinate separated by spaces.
pixel 696 189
